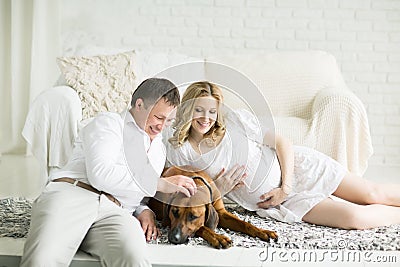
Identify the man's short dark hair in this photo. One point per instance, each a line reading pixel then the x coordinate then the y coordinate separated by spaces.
pixel 153 89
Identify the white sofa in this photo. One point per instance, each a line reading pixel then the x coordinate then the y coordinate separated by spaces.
pixel 305 91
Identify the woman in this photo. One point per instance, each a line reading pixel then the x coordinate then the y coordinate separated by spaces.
pixel 286 182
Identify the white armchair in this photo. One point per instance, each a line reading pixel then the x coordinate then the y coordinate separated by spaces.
pixel 310 103
pixel 306 93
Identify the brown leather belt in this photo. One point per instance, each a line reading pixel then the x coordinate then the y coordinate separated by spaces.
pixel 87 187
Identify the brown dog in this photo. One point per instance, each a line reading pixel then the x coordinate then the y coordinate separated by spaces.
pixel 200 214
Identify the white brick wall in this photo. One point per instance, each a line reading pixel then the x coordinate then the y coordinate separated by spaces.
pixel 363 35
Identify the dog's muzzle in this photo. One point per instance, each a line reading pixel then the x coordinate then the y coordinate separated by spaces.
pixel 176 237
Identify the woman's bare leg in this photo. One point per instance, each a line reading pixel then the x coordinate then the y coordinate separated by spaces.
pixel 347 215
pixel 362 191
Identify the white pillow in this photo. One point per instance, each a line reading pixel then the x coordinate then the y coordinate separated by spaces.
pixel 103 83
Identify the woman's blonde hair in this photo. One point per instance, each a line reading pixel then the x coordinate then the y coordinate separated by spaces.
pixel 185 111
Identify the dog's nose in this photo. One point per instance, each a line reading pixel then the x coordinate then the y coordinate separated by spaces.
pixel 175 236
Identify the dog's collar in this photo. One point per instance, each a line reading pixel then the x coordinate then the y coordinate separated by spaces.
pixel 206 184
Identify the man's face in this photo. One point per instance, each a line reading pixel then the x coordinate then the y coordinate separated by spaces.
pixel 153 119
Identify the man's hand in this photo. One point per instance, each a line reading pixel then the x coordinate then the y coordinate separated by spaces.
pixel 177 183
pixel 227 181
pixel 148 223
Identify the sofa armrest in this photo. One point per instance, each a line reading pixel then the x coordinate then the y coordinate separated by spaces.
pixel 52 124
pixel 337 96
pixel 341 128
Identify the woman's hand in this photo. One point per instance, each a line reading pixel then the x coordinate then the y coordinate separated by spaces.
pixel 177 183
pixel 148 223
pixel 227 181
pixel 272 198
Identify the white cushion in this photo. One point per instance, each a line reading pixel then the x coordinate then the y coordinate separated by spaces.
pixel 103 83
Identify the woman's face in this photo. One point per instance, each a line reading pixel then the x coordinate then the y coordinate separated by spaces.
pixel 205 114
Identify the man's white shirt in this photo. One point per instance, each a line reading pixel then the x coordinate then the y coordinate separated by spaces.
pixel 114 155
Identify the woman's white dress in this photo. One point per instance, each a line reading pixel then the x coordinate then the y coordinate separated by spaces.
pixel 316 176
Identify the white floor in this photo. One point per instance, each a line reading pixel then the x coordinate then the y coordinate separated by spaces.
pixel 20 176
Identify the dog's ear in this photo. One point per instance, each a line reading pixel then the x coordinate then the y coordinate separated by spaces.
pixel 166 221
pixel 212 217
pixel 166 209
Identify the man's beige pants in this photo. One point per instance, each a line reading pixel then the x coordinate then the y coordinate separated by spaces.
pixel 66 217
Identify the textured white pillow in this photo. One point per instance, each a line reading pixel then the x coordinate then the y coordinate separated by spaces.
pixel 103 83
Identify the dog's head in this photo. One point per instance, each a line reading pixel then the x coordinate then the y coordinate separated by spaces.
pixel 186 215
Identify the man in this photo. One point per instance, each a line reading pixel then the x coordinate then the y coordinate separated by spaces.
pixel 89 203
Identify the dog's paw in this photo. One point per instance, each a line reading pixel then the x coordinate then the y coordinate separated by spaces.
pixel 266 235
pixel 220 241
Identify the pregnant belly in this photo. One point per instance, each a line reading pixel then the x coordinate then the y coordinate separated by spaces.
pixel 266 178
